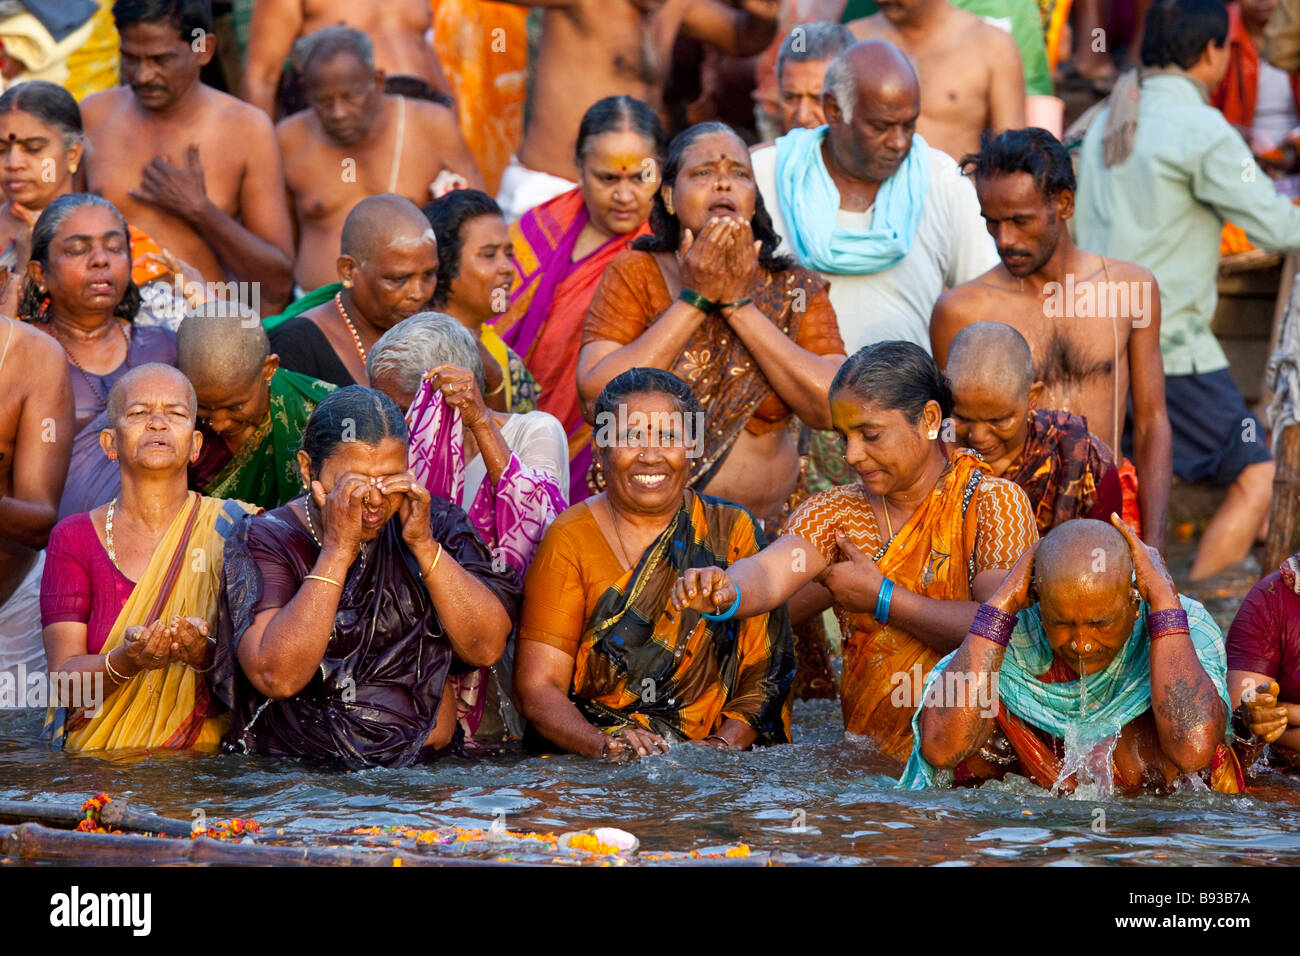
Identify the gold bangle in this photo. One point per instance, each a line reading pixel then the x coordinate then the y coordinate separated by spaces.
pixel 436 558
pixel 321 577
pixel 499 388
pixel 112 671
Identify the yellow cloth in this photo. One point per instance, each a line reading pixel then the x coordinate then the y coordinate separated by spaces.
pixel 496 347
pixel 167 708
pixel 94 66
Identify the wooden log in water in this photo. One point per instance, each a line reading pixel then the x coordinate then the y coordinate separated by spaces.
pixel 1284 514
pixel 32 841
pixel 117 814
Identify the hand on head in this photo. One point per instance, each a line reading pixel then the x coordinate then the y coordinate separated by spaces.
pixel 1154 582
pixel 1017 589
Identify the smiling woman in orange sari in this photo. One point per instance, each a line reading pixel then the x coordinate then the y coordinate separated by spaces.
pixel 904 554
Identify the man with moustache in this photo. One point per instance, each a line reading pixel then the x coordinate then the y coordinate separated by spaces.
pixel 162 152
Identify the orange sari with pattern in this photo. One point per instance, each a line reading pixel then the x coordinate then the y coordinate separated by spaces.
pixel 933 554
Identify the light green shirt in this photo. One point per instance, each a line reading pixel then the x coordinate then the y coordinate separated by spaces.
pixel 1164 208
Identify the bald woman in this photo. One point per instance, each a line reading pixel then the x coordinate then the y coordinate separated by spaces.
pixel 1066 471
pixel 388 266
pixel 251 412
pixel 1087 642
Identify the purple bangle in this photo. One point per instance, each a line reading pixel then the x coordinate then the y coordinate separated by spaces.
pixel 1163 623
pixel 994 625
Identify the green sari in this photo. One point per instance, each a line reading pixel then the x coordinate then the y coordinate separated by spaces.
pixel 265 470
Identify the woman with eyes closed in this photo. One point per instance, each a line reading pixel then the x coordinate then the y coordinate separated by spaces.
pixel 904 555
pixel 79 289
pixel 706 297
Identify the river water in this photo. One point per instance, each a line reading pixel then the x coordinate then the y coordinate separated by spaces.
pixel 822 798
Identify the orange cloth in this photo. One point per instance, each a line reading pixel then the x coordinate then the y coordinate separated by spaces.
pixel 937 553
pixel 483 48
pixel 145 270
pixel 1237 93
pixel 568 584
pixel 1128 486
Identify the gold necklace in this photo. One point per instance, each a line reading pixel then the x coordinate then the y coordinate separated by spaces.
pixel 356 339
pixel 613 519
pixel 888 524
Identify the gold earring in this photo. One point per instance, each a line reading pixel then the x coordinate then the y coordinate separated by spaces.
pixel 934 434
pixel 72 168
pixel 347 283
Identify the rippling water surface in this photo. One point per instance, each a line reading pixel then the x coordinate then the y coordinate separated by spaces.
pixel 821 798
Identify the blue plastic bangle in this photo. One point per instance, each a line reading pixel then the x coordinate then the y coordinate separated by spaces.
pixel 882 601
pixel 729 613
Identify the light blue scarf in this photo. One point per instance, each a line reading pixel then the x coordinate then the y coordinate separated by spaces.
pixel 810 201
pixel 1115 695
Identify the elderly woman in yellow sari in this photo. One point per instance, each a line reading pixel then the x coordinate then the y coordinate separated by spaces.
pixel 905 554
pixel 130 589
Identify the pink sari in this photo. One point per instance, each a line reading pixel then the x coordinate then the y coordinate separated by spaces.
pixel 510 517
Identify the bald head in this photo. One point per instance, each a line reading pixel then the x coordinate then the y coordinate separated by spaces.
pixel 378 222
pixel 1083 559
pixel 221 344
pixel 990 357
pixel 872 70
pixel 146 381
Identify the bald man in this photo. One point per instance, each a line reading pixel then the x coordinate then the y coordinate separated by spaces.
pixel 971 75
pixel 997 410
pixel 251 412
pixel 194 168
pixel 1092 323
pixel 1069 625
pixel 355 141
pixel 36 430
pixel 869 205
pixel 388 267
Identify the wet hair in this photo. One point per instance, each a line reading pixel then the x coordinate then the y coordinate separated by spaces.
pixel 327 42
pixel 614 114
pixel 221 342
pixel 415 345
pixel 51 104
pixel 1177 31
pixel 897 375
pixel 448 216
pixel 645 381
pixel 820 40
pixel 31 301
pixel 367 416
pixel 1032 150
pixel 665 230
pixel 117 394
pixel 186 16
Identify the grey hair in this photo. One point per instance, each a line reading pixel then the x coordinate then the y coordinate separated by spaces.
pixel 841 82
pixel 415 345
pixel 819 40
pixel 328 41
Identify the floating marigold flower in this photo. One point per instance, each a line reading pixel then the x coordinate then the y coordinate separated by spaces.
pixel 742 850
